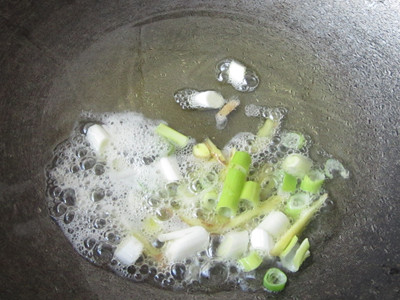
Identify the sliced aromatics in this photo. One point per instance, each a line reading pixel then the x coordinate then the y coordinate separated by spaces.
pixel 293 140
pixel 251 261
pixel 233 245
pixel 251 193
pixel 236 72
pixel 289 183
pixel 221 118
pixel 215 152
pixel 170 169
pixel 298 226
pixel 207 100
pixel 97 137
pixel 295 254
pixel 184 243
pixel 276 223
pixel 228 202
pixel 296 204
pixel 201 150
pixel 261 240
pixel 274 280
pixel 297 165
pixel 173 136
pixel 129 250
pixel 312 181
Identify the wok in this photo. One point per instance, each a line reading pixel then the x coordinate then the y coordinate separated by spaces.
pixel 334 65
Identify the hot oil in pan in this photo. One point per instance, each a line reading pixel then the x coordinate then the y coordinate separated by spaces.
pixel 139 68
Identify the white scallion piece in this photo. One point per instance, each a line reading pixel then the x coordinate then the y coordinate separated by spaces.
pixel 184 243
pixel 234 244
pixel 276 223
pixel 236 72
pixel 297 165
pixel 170 169
pixel 207 100
pixel 261 240
pixel 97 137
pixel 129 250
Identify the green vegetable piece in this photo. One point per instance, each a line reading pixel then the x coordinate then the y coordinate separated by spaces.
pixel 301 254
pixel 297 165
pixel 229 200
pixel 201 151
pixel 241 160
pixel 293 140
pixel 235 178
pixel 289 183
pixel 274 280
pixel 289 247
pixel 172 135
pixel 312 182
pixel 268 129
pixel 296 204
pixel 251 262
pixel 214 151
pixel 298 226
pixel 251 193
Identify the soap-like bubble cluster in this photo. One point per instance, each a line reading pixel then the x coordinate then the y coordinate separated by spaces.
pixel 99 199
pixel 246 83
pixel 184 98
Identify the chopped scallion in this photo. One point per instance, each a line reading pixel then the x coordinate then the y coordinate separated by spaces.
pixel 297 165
pixel 251 262
pixel 251 193
pixel 289 183
pixel 296 204
pixel 298 226
pixel 201 151
pixel 312 181
pixel 274 280
pixel 172 135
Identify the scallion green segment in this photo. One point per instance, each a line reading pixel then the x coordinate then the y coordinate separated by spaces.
pixel 172 135
pixel 241 160
pixel 301 254
pixel 289 247
pixel 274 280
pixel 251 262
pixel 251 193
pixel 296 204
pixel 229 200
pixel 289 183
pixel 312 181
pixel 298 226
pixel 235 179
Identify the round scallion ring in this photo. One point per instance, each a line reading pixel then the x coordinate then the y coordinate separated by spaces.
pixel 274 280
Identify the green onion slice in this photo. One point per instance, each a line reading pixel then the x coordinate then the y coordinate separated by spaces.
pixel 251 262
pixel 274 280
pixel 289 183
pixel 312 182
pixel 293 140
pixel 251 193
pixel 296 204
pixel 172 135
pixel 229 200
pixel 298 226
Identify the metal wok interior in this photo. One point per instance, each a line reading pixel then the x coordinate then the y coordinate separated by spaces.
pixel 334 65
